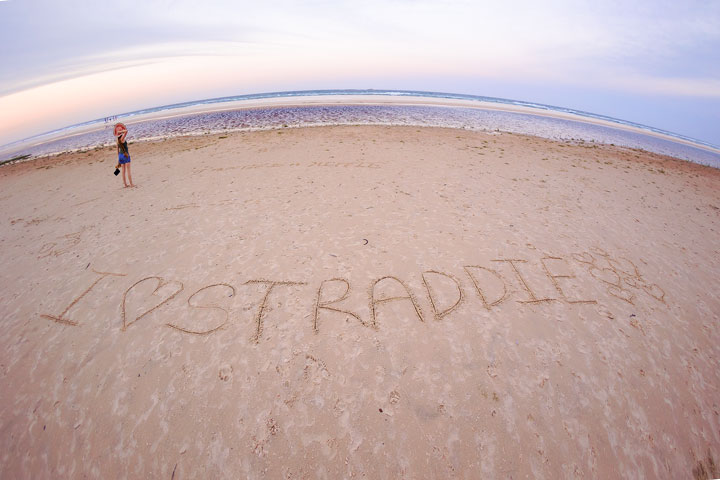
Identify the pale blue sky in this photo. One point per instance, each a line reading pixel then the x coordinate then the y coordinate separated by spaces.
pixel 656 63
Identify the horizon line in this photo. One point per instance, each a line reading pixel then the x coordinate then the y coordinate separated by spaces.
pixel 370 92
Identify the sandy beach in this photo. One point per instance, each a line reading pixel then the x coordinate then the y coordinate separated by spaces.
pixel 349 302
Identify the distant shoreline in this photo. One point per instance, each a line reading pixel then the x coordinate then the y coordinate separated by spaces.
pixel 321 100
pixel 336 100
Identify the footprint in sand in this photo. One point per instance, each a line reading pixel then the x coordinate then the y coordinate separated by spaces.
pixel 225 373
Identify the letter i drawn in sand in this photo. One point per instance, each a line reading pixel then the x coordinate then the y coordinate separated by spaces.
pixel 66 321
pixel 533 298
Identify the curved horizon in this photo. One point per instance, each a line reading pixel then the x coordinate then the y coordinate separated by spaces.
pixel 539 108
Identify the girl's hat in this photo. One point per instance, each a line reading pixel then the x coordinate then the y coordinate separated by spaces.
pixel 120 129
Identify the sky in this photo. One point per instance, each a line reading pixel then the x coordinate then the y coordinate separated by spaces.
pixel 652 62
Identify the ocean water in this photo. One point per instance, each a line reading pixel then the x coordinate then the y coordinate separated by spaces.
pixel 175 120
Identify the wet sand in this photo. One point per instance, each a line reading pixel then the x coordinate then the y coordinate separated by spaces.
pixel 339 302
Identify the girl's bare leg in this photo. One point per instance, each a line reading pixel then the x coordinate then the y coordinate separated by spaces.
pixel 129 175
pixel 123 174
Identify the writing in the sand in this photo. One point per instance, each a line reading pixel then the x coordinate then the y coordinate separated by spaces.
pixel 491 285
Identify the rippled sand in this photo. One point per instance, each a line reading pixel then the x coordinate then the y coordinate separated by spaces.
pixel 388 302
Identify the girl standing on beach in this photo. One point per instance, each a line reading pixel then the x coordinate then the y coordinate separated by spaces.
pixel 123 154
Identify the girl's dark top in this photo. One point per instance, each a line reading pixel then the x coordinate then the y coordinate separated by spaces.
pixel 122 147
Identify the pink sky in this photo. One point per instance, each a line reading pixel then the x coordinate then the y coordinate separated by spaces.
pixel 652 62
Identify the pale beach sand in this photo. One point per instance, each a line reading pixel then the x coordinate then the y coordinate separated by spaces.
pixel 349 302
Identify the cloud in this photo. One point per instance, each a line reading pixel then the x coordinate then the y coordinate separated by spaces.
pixel 677 87
pixel 644 48
pixel 551 39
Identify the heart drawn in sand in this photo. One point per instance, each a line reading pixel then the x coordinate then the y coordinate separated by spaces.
pixel 606 275
pixel 165 290
pixel 632 282
pixel 621 293
pixel 655 291
pixel 624 267
pixel 584 257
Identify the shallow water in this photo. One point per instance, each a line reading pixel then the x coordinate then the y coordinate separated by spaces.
pixel 319 115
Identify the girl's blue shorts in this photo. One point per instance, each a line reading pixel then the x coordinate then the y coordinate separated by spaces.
pixel 123 159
